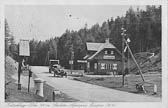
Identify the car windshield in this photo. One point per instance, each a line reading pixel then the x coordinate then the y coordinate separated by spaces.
pixel 54 62
pixel 55 66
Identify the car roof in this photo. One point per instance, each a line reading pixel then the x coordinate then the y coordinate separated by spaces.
pixel 55 65
pixel 54 60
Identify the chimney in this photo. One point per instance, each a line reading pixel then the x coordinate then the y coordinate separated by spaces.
pixel 107 40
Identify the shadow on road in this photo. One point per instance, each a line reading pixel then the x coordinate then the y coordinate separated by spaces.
pixel 46 72
pixel 55 76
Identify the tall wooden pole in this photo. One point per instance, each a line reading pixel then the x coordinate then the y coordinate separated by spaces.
pixel 19 72
pixel 19 69
pixel 134 60
pixel 29 80
pixel 72 57
pixel 123 57
pixel 48 55
pixel 56 52
pixel 128 64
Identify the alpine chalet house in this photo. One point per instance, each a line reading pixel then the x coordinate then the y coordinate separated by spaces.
pixel 103 58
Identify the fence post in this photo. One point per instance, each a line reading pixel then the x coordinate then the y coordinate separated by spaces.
pixel 38 83
pixel 56 93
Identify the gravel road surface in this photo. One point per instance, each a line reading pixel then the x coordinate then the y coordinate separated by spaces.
pixel 87 92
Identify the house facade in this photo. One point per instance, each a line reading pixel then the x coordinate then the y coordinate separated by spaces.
pixel 103 58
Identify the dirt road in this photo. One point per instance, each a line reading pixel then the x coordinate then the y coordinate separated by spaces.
pixel 88 92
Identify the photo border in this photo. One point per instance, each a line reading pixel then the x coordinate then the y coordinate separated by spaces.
pixel 164 48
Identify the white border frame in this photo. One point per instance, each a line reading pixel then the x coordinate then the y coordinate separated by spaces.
pixel 162 104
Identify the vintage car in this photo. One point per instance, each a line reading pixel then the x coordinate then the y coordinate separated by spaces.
pixel 55 68
pixel 52 63
pixel 58 71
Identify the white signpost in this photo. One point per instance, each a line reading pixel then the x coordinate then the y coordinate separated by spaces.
pixel 24 48
pixel 24 51
pixel 70 61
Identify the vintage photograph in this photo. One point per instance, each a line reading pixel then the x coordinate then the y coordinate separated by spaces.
pixel 83 53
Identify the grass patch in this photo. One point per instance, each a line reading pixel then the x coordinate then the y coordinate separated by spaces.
pixel 130 82
pixel 22 95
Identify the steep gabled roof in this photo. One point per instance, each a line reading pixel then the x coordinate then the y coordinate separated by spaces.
pixel 93 46
pixel 103 46
pixel 98 47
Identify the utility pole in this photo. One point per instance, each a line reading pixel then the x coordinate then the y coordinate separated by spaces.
pixel 48 58
pixel 123 56
pixel 72 57
pixel 140 71
pixel 128 64
pixel 56 51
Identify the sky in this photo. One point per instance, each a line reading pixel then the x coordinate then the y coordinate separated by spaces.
pixel 42 22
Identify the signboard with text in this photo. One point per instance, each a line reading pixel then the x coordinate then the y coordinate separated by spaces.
pixel 108 57
pixel 81 61
pixel 24 48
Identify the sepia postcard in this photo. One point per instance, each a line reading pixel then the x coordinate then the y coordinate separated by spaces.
pixel 78 54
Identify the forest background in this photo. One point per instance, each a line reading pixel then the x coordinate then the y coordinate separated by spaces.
pixel 143 28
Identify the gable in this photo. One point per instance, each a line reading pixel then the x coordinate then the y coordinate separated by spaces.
pixel 99 47
pixel 102 47
pixel 108 53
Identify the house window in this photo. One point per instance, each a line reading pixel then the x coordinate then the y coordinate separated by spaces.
pixel 95 65
pixel 106 52
pixel 112 52
pixel 106 66
pixel 102 65
pixel 88 65
pixel 111 66
pixel 114 66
